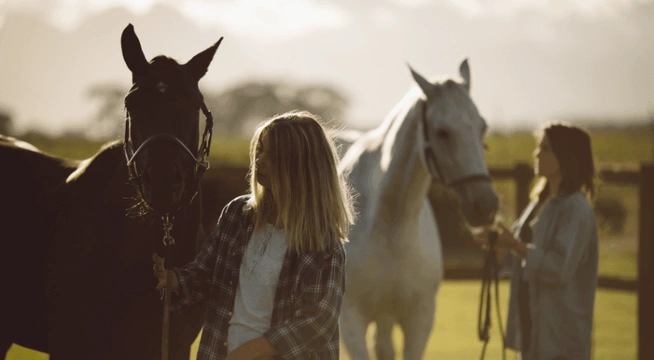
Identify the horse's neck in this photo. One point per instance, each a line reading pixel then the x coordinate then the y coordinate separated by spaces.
pixel 405 184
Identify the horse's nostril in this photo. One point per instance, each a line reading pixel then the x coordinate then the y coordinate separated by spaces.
pixel 179 176
pixel 477 207
pixel 147 177
pixel 491 216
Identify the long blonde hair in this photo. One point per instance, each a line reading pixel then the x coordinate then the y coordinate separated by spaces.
pixel 313 202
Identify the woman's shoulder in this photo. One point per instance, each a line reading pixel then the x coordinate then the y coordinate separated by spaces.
pixel 239 203
pixel 576 203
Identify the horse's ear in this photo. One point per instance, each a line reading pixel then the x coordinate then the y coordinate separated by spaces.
pixel 132 52
pixel 464 71
pixel 430 90
pixel 199 64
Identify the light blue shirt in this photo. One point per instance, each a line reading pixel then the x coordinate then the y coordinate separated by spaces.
pixel 561 271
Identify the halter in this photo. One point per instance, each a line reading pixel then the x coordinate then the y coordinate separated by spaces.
pixel 200 158
pixel 431 159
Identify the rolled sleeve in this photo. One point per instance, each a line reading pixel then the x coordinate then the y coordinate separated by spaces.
pixel 316 322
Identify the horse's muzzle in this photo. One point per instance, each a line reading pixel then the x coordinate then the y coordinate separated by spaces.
pixel 163 187
pixel 480 202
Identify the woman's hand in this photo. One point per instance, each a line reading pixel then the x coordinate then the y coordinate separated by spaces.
pixel 504 238
pixel 259 349
pixel 160 273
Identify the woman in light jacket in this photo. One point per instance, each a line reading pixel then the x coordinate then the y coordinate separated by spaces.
pixel 554 252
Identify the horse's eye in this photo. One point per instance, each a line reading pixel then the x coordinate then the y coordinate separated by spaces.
pixel 442 134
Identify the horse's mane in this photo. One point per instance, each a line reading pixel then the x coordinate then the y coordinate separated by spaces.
pixel 106 170
pixel 99 165
pixel 8 140
pixel 45 171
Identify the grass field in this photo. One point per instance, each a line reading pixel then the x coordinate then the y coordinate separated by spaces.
pixel 454 335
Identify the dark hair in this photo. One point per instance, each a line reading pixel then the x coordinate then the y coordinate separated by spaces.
pixel 572 147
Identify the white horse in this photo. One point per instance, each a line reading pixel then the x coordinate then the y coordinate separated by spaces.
pixel 395 262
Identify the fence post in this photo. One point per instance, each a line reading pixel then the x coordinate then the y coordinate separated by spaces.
pixel 645 265
pixel 523 175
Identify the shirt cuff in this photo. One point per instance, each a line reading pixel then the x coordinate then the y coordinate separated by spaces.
pixel 181 297
pixel 532 262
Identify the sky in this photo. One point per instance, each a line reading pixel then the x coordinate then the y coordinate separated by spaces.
pixel 531 60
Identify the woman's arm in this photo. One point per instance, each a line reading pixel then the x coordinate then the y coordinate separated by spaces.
pixel 573 233
pixel 316 322
pixel 195 278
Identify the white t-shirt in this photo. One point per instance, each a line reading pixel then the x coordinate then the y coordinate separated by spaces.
pixel 255 293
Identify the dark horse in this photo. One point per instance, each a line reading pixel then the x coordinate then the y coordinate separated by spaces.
pixel 79 235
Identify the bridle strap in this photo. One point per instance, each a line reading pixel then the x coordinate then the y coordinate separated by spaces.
pixel 205 146
pixel 162 136
pixel 432 160
pixel 200 158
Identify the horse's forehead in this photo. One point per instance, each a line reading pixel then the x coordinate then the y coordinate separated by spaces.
pixel 456 108
pixel 165 73
pixel 166 84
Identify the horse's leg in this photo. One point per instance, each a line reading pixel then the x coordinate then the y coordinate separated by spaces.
pixel 5 344
pixel 354 326
pixel 7 326
pixel 383 340
pixel 184 330
pixel 417 325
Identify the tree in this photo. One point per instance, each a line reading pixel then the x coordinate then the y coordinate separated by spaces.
pixel 239 109
pixel 236 110
pixel 6 123
pixel 111 110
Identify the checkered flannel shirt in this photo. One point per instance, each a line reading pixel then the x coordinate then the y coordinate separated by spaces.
pixel 308 296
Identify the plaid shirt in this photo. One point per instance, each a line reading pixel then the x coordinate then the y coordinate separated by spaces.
pixel 308 296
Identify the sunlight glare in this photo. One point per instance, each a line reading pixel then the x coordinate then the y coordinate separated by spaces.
pixel 281 19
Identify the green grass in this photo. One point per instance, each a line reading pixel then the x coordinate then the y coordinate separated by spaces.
pixel 454 335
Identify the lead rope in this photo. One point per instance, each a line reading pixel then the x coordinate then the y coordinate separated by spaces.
pixel 490 275
pixel 169 244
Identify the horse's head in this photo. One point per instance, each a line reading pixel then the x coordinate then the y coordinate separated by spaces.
pixel 162 125
pixel 452 143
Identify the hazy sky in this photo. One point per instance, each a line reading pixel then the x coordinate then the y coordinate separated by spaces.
pixel 531 60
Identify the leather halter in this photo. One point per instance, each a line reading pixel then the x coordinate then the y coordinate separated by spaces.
pixel 432 160
pixel 200 158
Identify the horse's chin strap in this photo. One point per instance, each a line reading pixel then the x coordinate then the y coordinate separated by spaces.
pixel 427 151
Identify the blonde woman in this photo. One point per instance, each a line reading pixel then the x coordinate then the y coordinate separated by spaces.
pixel 554 252
pixel 273 271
